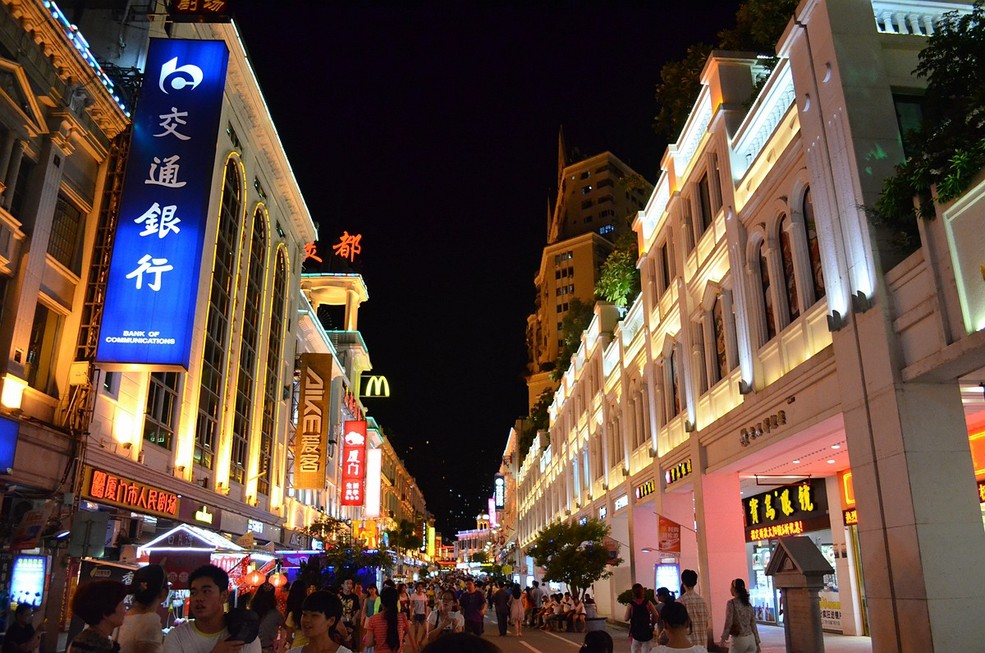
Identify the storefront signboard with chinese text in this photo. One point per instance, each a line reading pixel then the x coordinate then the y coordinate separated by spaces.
pixel 786 510
pixel 311 438
pixel 113 490
pixel 353 462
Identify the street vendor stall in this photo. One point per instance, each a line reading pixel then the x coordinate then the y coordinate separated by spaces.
pixel 185 548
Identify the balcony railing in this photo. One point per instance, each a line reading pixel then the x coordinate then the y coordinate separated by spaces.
pixel 912 17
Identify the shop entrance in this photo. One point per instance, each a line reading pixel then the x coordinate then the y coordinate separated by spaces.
pixel 792 488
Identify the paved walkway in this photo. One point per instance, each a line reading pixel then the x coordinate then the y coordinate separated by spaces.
pixel 773 642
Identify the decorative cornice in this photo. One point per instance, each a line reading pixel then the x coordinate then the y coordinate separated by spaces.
pixel 68 64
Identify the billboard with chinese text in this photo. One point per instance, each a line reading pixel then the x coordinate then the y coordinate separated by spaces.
pixel 311 437
pixel 353 462
pixel 149 310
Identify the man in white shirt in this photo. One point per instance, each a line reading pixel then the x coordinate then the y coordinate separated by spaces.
pixel 206 633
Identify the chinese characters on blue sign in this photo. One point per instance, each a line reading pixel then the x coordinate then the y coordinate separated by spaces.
pixel 153 278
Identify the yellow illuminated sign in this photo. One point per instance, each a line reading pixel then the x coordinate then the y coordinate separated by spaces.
pixel 851 517
pixel 777 530
pixel 377 386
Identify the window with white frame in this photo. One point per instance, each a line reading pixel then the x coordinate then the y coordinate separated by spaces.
pixel 217 322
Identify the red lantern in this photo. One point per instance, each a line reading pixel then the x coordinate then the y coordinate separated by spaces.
pixel 277 580
pixel 256 578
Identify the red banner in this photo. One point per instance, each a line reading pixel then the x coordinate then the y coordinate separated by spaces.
pixel 668 535
pixel 353 463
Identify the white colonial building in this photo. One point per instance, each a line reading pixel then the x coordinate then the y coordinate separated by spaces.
pixel 785 370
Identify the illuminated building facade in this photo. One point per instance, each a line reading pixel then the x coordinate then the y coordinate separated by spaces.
pixel 401 500
pixel 596 201
pixel 784 371
pixel 474 541
pixel 60 129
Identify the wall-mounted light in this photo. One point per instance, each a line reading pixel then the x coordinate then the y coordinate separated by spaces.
pixel 13 391
pixel 744 387
pixel 836 322
pixel 861 303
pixel 689 426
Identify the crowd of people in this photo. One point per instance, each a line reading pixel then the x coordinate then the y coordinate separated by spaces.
pixel 444 614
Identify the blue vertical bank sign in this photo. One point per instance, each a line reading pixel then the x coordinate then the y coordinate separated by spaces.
pixel 153 276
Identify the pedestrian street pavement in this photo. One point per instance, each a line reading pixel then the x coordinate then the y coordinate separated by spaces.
pixel 539 641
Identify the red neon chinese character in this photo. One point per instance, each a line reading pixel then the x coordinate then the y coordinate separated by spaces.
pixel 348 246
pixel 112 487
pixel 98 486
pixel 311 251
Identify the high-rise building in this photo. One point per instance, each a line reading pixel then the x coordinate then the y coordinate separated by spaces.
pixel 597 199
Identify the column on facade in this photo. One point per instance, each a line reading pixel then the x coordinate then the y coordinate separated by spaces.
pixel 721 544
pixel 13 172
pixel 351 310
pixel 920 527
pixel 37 218
pixel 6 150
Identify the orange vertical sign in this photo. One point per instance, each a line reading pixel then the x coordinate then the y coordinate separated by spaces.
pixel 311 438
pixel 668 535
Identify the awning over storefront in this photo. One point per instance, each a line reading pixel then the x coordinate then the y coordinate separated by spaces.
pixel 185 548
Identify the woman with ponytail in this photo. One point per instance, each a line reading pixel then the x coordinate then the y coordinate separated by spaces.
pixel 740 621
pixel 386 630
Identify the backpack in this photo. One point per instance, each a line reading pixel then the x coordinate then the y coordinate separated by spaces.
pixel 640 626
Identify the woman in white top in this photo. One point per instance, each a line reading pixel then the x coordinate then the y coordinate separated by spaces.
pixel 141 630
pixel 321 623
pixel 738 613
pixel 678 625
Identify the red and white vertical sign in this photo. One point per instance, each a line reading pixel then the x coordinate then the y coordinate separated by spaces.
pixel 353 463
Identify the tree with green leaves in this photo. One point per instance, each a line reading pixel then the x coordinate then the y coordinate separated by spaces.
pixel 404 536
pixel 479 556
pixel 948 149
pixel 575 321
pixel 537 420
pixel 573 553
pixel 759 25
pixel 619 280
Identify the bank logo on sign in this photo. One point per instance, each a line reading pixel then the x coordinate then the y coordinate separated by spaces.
pixel 181 76
pixel 377 386
pixel 149 313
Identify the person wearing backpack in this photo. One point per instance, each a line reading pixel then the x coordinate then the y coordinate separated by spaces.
pixel 641 615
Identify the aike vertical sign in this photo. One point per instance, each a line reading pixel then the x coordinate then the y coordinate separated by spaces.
pixel 311 437
pixel 353 462
pixel 157 255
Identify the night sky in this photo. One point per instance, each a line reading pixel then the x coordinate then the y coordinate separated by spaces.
pixel 431 129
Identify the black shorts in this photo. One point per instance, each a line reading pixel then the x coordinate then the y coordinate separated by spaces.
pixel 419 618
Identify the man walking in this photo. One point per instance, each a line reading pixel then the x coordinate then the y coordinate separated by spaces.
pixel 537 597
pixel 501 602
pixel 473 603
pixel 697 609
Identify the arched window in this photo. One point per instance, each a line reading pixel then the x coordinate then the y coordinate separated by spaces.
pixel 248 357
pixel 789 277
pixel 217 322
pixel 677 404
pixel 718 327
pixel 764 279
pixel 813 247
pixel 274 351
